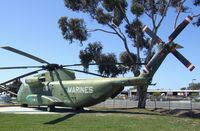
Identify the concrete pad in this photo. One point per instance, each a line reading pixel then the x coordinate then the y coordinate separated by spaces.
pixel 32 110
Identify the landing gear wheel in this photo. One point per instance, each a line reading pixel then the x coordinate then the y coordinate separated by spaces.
pixel 24 105
pixel 78 109
pixel 50 108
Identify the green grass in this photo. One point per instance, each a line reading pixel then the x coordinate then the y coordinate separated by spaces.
pixel 138 120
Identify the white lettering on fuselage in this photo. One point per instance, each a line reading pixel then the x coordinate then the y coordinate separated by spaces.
pixel 77 89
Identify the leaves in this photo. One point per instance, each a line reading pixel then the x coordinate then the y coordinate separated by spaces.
pixel 73 29
pixel 196 2
pixel 197 22
pixel 107 63
pixel 111 69
pixel 101 17
pixel 81 5
pixel 90 53
pixel 124 58
pixel 134 31
pixel 137 8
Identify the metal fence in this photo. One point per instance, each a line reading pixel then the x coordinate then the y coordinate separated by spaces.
pixel 151 104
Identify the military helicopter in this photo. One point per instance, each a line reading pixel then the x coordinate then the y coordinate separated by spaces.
pixel 58 86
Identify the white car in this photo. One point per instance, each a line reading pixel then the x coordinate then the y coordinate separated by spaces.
pixel 4 97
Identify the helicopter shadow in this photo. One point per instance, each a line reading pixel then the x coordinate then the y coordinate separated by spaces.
pixel 72 113
pixel 61 119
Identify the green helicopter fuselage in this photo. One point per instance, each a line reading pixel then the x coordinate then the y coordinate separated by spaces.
pixel 65 90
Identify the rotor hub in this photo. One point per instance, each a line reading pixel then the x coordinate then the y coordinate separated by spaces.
pixel 51 67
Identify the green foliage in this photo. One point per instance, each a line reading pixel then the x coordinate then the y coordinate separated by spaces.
pixel 156 94
pixel 118 8
pixel 81 5
pixel 90 53
pixel 194 94
pixel 101 17
pixel 134 31
pixel 110 69
pixel 196 2
pixel 194 86
pixel 124 58
pixel 106 62
pixel 137 7
pixel 73 29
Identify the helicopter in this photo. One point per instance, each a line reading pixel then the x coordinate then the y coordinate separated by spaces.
pixel 58 86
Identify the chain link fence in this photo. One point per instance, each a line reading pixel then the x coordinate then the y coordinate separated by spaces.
pixel 153 103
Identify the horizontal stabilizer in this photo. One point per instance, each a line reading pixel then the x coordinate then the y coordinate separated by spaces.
pixel 177 46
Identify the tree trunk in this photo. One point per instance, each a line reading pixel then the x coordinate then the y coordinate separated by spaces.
pixel 141 92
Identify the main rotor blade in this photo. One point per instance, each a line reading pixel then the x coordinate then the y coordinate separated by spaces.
pixel 90 73
pixel 100 64
pixel 153 35
pixel 19 67
pixel 182 59
pixel 22 76
pixel 3 88
pixel 24 54
pixel 180 27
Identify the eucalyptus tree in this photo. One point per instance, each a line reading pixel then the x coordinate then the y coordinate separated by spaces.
pixel 121 18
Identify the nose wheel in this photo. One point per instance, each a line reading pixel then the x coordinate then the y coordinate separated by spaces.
pixel 50 108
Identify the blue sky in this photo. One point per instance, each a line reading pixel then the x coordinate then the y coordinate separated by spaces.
pixel 32 26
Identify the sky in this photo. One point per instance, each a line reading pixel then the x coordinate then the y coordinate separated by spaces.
pixel 32 26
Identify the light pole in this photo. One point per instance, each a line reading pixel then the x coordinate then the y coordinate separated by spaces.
pixel 193 80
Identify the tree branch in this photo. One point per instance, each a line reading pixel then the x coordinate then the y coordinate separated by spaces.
pixel 93 30
pixel 153 20
pixel 123 38
pixel 148 14
pixel 197 15
pixel 125 16
pixel 178 14
pixel 116 32
pixel 176 20
pixel 164 14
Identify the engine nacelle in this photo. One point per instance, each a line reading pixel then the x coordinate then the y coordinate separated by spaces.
pixel 35 81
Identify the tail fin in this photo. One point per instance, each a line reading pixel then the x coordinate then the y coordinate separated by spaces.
pixel 155 62
pixel 165 49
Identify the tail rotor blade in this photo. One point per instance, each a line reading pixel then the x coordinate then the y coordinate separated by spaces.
pixel 178 30
pixel 182 59
pixel 157 39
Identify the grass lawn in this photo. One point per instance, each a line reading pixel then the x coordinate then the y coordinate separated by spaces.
pixel 115 120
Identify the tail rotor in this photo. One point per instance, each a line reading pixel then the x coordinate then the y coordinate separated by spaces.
pixel 170 45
